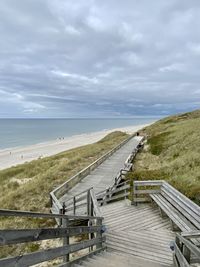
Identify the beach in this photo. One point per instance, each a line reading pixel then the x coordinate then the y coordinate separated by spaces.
pixel 13 156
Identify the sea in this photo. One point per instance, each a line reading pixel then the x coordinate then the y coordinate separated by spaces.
pixel 22 132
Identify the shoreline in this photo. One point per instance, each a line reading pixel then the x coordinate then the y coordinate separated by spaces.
pixel 10 157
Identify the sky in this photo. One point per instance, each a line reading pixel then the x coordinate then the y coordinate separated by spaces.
pixel 99 58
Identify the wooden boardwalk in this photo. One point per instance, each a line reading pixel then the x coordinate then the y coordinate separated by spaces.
pixel 104 175
pixel 138 231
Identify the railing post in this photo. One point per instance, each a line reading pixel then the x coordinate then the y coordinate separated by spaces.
pixel 65 224
pixel 107 195
pixel 88 203
pixel 74 205
pixel 134 200
pixel 186 253
pixel 99 234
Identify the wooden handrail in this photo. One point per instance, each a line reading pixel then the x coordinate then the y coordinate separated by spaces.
pixel 16 213
pixel 47 255
pixel 18 236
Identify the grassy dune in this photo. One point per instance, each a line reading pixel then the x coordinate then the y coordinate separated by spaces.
pixel 172 152
pixel 27 186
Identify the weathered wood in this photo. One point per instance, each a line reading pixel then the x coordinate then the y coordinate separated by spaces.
pixel 193 248
pixel 141 199
pixel 15 213
pixel 81 258
pixel 192 234
pixel 117 190
pixel 46 255
pixel 74 205
pixel 189 203
pixel 174 216
pixel 147 191
pixel 97 211
pixel 181 259
pixel 99 234
pixel 149 183
pixel 8 237
pixel 65 223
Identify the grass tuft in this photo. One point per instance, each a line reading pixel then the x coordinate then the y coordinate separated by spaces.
pixel 172 153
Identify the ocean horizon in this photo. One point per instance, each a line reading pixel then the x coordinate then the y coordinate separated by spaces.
pixel 22 132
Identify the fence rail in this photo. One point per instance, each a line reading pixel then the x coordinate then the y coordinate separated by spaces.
pixel 93 231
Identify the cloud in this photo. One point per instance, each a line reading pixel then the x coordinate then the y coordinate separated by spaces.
pixel 98 58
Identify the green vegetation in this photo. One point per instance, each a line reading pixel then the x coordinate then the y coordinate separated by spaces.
pixel 172 152
pixel 27 186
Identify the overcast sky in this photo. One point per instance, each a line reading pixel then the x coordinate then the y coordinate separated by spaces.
pixel 103 58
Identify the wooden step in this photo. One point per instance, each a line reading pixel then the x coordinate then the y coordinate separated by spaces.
pixel 115 259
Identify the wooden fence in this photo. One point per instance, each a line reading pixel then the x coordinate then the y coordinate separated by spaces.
pixel 94 242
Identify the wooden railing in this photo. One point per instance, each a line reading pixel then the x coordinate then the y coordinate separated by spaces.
pixel 120 183
pixel 142 189
pixel 58 192
pixel 84 203
pixel 121 191
pixel 94 241
pixel 185 252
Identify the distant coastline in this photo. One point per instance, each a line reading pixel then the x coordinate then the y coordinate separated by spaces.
pixel 15 133
pixel 17 155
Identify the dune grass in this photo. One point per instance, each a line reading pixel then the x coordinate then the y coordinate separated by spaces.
pixel 27 186
pixel 172 152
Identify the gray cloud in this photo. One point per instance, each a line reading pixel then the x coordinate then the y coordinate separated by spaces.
pixel 98 58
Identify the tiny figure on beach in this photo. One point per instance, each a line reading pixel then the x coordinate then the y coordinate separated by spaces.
pixel 10 152
pixel 138 133
pixel 22 156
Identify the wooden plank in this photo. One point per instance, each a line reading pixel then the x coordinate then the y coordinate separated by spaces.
pixel 175 260
pixel 46 255
pixel 82 258
pixel 16 213
pixel 144 254
pixel 149 183
pixel 141 199
pixel 97 210
pixel 192 234
pixel 180 205
pixel 189 203
pixel 119 189
pixel 170 211
pixel 147 191
pixel 187 218
pixel 8 237
pixel 181 259
pixel 117 197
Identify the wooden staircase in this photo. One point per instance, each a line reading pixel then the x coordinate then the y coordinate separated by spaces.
pixel 116 259
pixel 138 231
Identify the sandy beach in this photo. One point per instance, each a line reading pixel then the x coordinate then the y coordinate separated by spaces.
pixel 14 156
